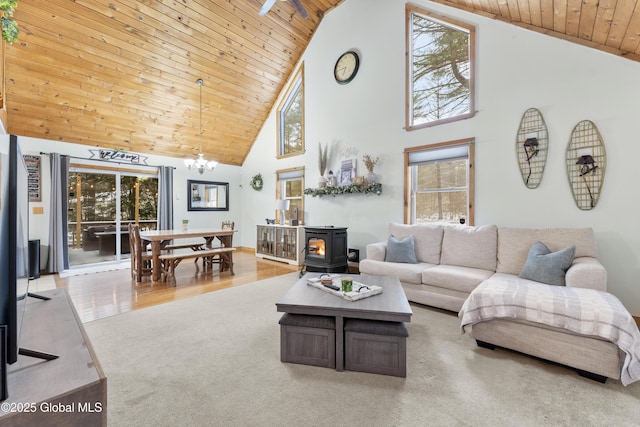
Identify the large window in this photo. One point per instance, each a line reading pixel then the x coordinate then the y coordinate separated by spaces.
pixel 290 186
pixel 440 67
pixel 102 203
pixel 439 183
pixel 291 118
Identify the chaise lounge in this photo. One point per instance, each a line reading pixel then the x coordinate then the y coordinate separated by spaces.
pixel 471 269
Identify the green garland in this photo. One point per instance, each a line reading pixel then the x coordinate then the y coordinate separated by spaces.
pixel 345 189
pixel 257 182
pixel 7 23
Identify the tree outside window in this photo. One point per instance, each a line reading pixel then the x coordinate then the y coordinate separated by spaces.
pixel 440 68
pixel 440 183
pixel 291 118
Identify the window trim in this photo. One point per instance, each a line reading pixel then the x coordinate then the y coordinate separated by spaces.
pixel 298 80
pixel 279 189
pixel 470 143
pixel 409 11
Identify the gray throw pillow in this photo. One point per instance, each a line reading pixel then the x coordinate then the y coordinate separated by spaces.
pixel 545 266
pixel 401 250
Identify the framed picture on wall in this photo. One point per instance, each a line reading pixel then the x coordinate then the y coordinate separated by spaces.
pixel 33 168
pixel 207 195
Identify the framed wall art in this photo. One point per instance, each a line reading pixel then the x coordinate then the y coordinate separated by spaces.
pixel 207 195
pixel 532 143
pixel 586 164
pixel 35 179
pixel 347 172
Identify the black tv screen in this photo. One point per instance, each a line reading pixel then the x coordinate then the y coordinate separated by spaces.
pixel 14 242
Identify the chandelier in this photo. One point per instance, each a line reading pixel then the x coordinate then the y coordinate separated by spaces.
pixel 200 164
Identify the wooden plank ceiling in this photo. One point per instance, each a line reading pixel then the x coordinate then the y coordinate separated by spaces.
pixel 609 25
pixel 122 74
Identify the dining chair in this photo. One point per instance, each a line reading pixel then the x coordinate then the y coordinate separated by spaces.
pixel 208 262
pixel 140 258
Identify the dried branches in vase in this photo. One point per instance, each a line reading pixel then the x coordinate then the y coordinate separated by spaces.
pixel 370 164
pixel 323 157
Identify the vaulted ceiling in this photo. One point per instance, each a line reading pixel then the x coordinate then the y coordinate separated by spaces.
pixel 609 25
pixel 122 74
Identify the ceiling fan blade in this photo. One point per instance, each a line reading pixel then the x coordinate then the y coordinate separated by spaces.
pixel 299 8
pixel 266 7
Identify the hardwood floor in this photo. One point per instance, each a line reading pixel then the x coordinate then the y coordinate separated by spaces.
pixel 99 295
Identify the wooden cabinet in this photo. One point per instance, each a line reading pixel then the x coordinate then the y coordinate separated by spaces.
pixel 280 243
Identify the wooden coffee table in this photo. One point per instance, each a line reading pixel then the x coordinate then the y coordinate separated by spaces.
pixel 391 305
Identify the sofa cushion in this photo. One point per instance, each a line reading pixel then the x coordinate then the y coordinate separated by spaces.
pixel 458 278
pixel 473 247
pixel 376 327
pixel 308 321
pixel 401 250
pixel 427 239
pixel 514 244
pixel 377 251
pixel 408 273
pixel 545 266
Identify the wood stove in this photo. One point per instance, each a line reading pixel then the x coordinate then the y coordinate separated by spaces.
pixel 325 250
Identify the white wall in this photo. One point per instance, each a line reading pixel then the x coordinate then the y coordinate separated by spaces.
pixel 516 69
pixel 39 224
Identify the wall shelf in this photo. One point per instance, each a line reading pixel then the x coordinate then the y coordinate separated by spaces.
pixel 345 189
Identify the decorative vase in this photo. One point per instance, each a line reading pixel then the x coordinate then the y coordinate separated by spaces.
pixel 185 224
pixel 322 182
pixel 372 178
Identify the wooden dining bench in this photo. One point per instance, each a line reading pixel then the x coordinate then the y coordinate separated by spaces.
pixel 193 246
pixel 169 262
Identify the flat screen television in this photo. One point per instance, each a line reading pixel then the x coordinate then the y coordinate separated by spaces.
pixel 14 243
pixel 14 254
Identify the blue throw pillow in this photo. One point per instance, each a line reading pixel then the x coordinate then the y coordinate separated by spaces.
pixel 401 250
pixel 547 267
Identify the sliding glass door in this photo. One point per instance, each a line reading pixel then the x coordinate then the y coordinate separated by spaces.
pixel 102 204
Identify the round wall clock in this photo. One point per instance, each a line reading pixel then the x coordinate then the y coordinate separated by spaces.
pixel 346 67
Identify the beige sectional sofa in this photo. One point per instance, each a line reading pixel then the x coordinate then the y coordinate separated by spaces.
pixel 453 260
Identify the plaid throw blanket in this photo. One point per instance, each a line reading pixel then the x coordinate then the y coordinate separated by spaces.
pixel 582 311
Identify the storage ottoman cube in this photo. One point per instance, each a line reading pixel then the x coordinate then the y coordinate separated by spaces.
pixel 376 346
pixel 308 340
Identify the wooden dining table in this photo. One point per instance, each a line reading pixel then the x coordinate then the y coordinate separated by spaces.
pixel 161 238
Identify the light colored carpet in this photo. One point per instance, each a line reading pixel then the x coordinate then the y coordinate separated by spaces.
pixel 214 359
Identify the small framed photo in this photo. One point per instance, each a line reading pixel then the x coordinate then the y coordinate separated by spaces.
pixel 347 172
